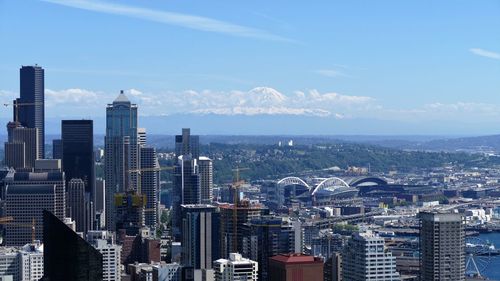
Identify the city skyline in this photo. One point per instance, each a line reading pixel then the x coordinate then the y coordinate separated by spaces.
pixel 434 71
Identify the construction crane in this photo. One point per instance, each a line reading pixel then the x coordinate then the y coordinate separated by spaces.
pixel 237 183
pixel 16 106
pixel 10 221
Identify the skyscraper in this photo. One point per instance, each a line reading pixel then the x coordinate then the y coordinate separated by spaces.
pixel 365 258
pixel 442 246
pixel 66 255
pixel 79 205
pixel 78 152
pixel 57 149
pixel 200 236
pixel 21 150
pixel 121 153
pixel 187 144
pixel 30 106
pixel 150 184
pixel 206 179
pixel 186 189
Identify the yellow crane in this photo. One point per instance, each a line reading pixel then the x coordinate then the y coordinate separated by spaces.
pixel 10 221
pixel 16 106
pixel 237 183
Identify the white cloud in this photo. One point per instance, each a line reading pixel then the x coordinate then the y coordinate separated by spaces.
pixel 485 53
pixel 70 97
pixel 178 19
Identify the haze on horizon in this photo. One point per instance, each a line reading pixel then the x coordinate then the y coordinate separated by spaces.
pixel 280 67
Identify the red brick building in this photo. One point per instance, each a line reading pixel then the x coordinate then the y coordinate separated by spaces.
pixel 295 267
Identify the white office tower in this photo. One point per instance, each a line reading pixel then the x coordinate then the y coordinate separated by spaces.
pixel 104 242
pixel 205 167
pixel 22 263
pixel 365 258
pixel 31 262
pixel 236 268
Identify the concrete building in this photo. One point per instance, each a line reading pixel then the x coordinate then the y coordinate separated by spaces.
pixel 167 272
pixel 22 263
pixel 236 268
pixel 366 258
pixel 442 247
pixel 9 263
pixel 29 108
pixel 295 267
pixel 333 268
pixel 111 262
pixel 121 153
pixel 78 205
pixel 206 180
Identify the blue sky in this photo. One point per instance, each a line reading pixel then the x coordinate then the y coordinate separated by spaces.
pixel 423 62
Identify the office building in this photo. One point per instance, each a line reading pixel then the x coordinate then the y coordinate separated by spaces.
pixel 150 184
pixel 295 267
pixel 141 136
pixel 333 267
pixel 327 243
pixel 29 108
pixel 121 153
pixel 57 149
pixel 167 272
pixel 200 236
pixel 442 246
pixel 79 205
pixel 187 144
pixel 9 263
pixel 21 150
pixel 366 258
pixel 100 193
pixel 78 152
pixel 104 242
pixel 186 190
pixel 206 180
pixel 67 256
pixel 265 237
pixel 236 268
pixel 232 231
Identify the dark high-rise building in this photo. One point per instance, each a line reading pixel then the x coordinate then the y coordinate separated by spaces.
pixel 57 149
pixel 265 237
pixel 66 255
pixel 200 236
pixel 78 152
pixel 150 184
pixel 295 267
pixel 30 106
pixel 21 150
pixel 121 153
pixel 442 247
pixel 78 205
pixel 186 190
pixel 186 144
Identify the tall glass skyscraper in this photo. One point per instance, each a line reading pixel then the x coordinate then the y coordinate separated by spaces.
pixel 78 152
pixel 30 106
pixel 121 152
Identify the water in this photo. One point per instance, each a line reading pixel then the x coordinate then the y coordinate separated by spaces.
pixel 492 271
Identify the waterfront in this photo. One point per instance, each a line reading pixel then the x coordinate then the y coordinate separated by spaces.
pixel 493 269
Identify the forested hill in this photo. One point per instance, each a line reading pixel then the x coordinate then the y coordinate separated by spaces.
pixel 272 161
